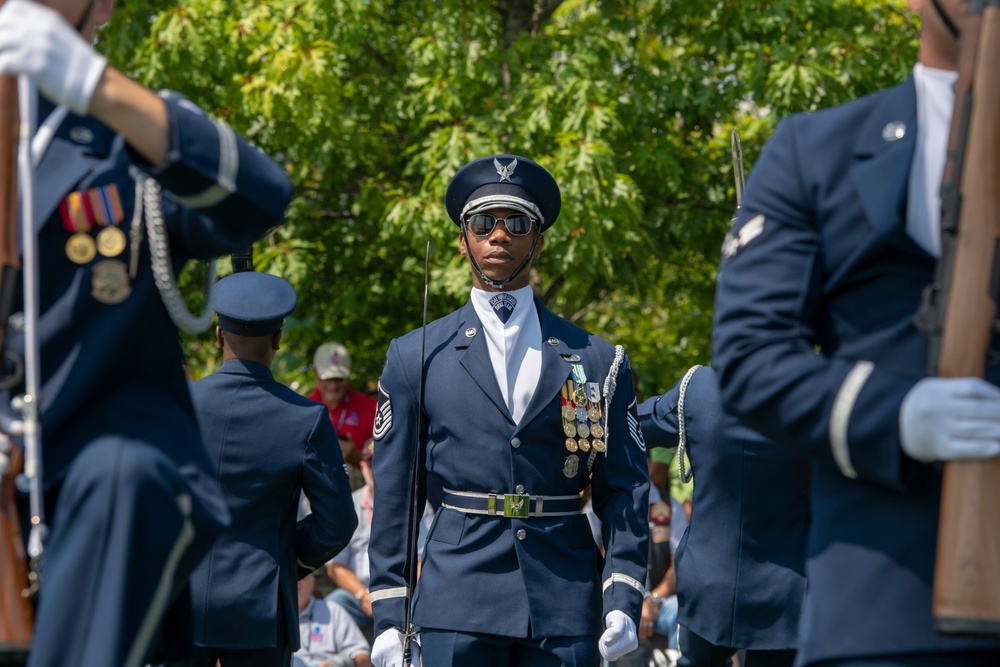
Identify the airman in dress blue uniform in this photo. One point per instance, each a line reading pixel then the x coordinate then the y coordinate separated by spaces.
pixel 815 345
pixel 741 562
pixel 522 410
pixel 266 444
pixel 124 464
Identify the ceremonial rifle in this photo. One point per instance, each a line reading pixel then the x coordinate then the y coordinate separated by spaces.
pixel 959 315
pixel 417 507
pixel 686 475
pixel 242 259
pixel 737 167
pixel 16 609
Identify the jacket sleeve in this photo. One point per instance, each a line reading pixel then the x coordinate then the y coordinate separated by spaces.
pixel 769 306
pixel 621 501
pixel 327 530
pixel 658 419
pixel 395 435
pixel 220 193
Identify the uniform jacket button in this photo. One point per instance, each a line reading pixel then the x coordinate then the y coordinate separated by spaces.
pixel 521 534
pixel 515 442
pixel 519 488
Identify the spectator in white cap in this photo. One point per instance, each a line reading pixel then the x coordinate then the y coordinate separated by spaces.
pixel 352 412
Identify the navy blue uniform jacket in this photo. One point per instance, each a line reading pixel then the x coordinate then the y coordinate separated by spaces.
pixel 118 369
pixel 496 575
pixel 741 562
pixel 815 345
pixel 266 444
pixel 112 377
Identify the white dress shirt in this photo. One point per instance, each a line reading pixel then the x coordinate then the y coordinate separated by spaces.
pixel 515 345
pixel 935 100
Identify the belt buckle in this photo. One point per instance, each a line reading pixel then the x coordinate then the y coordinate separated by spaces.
pixel 516 506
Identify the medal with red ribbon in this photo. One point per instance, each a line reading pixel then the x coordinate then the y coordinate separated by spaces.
pixel 81 211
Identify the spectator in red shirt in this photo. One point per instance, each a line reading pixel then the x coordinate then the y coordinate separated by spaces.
pixel 352 412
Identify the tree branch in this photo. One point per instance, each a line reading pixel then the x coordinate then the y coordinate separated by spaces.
pixel 376 54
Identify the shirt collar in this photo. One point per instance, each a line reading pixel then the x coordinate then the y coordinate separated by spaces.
pixel 481 301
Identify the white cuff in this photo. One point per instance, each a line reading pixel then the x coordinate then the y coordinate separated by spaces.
pixel 387 593
pixel 840 416
pixel 624 579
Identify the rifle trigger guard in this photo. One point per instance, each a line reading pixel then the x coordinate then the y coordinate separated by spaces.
pixel 8 381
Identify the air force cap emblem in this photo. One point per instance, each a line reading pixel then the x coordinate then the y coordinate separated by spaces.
pixel 505 172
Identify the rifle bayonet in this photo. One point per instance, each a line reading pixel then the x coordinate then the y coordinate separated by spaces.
pixel 737 166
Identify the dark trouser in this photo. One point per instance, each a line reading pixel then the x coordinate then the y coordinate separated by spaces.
pixel 697 651
pixel 442 648
pixel 248 657
pixel 234 657
pixel 957 659
pixel 128 528
pixel 206 656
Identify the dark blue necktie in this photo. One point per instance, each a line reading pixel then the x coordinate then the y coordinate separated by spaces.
pixel 503 305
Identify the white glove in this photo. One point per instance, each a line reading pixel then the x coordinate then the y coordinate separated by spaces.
pixel 946 419
pixel 387 651
pixel 619 638
pixel 36 42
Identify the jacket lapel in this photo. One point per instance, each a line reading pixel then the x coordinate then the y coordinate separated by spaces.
pixel 63 166
pixel 475 358
pixel 69 162
pixel 881 171
pixel 555 369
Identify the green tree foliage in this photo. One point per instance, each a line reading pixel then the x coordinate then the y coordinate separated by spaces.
pixel 372 105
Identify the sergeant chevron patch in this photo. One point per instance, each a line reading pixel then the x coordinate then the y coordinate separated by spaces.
pixel 383 414
pixel 632 418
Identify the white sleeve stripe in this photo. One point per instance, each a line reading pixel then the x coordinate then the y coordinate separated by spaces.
pixel 840 417
pixel 624 579
pixel 204 199
pixel 229 157
pixel 388 593
pixel 229 166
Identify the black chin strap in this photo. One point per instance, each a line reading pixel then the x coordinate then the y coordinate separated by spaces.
pixel 948 23
pixel 502 283
pixel 83 19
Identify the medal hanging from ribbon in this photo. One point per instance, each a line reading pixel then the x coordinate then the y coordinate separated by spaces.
pixel 108 214
pixel 98 207
pixel 82 211
pixel 80 247
pixel 582 418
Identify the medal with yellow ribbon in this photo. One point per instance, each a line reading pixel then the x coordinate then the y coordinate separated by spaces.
pixel 81 211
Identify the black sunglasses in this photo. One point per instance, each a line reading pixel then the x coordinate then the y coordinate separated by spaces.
pixel 483 224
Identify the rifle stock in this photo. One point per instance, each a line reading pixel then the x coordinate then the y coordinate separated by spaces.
pixel 242 260
pixel 16 611
pixel 967 574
